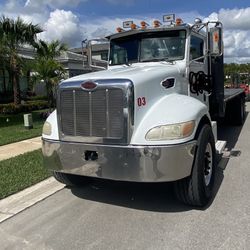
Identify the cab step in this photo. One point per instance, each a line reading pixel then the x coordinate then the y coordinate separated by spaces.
pixel 220 146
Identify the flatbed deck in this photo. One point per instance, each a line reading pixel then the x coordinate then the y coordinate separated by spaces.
pixel 231 93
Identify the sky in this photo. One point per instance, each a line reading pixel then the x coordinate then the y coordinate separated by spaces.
pixel 72 21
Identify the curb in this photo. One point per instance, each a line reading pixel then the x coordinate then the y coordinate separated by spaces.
pixel 22 200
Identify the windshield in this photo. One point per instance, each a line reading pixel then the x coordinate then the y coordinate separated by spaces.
pixel 148 47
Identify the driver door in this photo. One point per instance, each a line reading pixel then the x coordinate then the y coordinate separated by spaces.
pixel 197 63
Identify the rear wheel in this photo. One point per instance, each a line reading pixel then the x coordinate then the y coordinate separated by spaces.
pixel 236 111
pixel 196 190
pixel 240 112
pixel 70 179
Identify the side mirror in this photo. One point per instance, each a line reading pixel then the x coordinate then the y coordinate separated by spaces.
pixel 95 48
pixel 216 43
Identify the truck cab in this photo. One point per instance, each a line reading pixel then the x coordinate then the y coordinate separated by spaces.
pixel 148 116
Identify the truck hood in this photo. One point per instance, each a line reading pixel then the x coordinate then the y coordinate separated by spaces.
pixel 136 73
pixel 148 91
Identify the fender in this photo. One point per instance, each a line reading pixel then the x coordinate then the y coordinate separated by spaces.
pixel 170 109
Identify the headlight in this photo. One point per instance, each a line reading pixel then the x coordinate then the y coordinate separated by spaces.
pixel 171 132
pixel 47 128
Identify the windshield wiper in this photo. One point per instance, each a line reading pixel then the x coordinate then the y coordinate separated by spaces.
pixel 156 59
pixel 164 59
pixel 127 62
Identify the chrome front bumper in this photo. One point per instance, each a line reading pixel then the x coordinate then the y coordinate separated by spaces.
pixel 125 163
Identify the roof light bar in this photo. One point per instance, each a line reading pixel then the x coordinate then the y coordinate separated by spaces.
pixel 169 18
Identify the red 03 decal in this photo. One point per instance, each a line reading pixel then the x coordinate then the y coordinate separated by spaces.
pixel 141 101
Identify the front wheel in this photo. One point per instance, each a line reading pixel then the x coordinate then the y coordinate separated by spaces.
pixel 196 190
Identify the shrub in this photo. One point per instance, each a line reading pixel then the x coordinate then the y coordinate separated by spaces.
pixel 11 108
pixel 7 97
pixel 37 97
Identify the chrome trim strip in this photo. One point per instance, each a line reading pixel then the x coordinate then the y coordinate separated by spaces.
pixel 107 113
pixel 90 114
pixel 126 163
pixel 74 110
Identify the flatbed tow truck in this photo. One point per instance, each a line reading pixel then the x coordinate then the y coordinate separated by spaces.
pixel 152 115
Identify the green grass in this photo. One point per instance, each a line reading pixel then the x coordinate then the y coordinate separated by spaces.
pixel 21 172
pixel 12 128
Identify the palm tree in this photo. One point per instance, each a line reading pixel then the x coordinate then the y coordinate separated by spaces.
pixel 46 68
pixel 14 34
pixel 49 50
pixel 50 72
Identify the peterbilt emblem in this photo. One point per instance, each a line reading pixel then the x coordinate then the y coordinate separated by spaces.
pixel 89 85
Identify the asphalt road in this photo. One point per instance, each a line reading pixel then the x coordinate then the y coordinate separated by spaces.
pixel 107 215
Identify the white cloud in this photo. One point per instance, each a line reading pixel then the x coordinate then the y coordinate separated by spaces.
pixel 52 3
pixel 236 33
pixel 232 18
pixel 57 24
pixel 15 8
pixel 64 26
pixel 236 39
pixel 104 26
pixel 235 18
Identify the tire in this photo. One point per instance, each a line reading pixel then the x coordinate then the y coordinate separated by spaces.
pixel 236 111
pixel 70 179
pixel 239 111
pixel 197 189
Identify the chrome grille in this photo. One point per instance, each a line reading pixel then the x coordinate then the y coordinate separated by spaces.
pixel 81 114
pixel 67 107
pixel 92 114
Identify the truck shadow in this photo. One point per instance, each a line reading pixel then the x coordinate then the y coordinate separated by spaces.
pixel 231 135
pixel 156 197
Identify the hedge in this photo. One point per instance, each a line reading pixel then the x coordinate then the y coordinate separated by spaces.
pixel 11 108
pixel 37 97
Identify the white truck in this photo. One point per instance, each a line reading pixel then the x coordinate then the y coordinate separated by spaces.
pixel 151 116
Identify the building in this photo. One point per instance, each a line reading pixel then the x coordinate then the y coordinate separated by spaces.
pixel 99 51
pixel 74 62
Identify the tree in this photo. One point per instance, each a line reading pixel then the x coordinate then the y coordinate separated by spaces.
pixel 46 68
pixel 49 50
pixel 14 34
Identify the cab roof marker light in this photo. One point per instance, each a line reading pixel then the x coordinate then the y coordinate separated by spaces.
pixel 133 26
pixel 169 18
pixel 144 25
pixel 157 23
pixel 119 29
pixel 127 24
pixel 178 21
